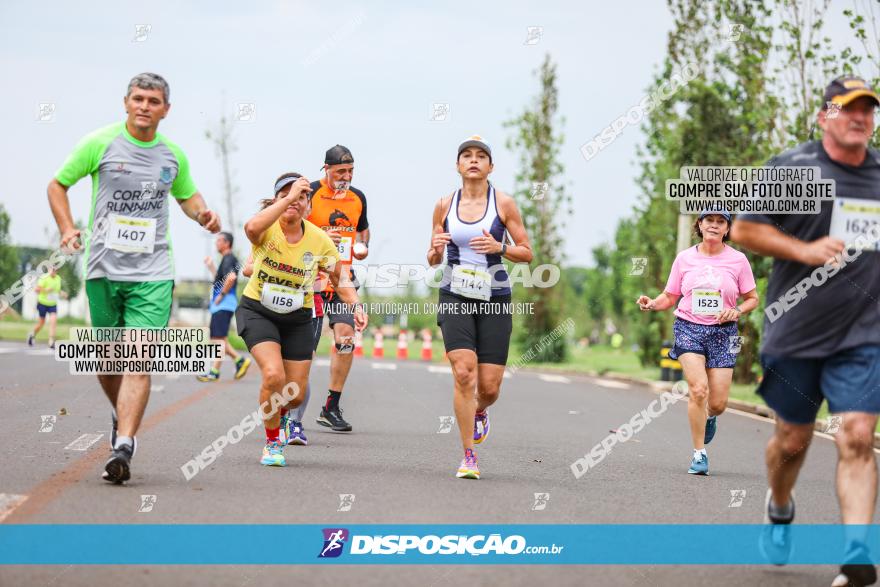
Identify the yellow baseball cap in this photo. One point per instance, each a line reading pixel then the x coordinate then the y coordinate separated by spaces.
pixel 845 89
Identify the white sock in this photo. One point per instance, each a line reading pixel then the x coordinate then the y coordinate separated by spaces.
pixel 120 440
pixel 700 451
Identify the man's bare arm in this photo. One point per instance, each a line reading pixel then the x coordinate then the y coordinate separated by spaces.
pixel 766 239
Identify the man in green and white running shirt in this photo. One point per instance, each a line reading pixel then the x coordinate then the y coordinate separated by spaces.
pixel 129 270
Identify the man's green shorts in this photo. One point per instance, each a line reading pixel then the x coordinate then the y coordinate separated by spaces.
pixel 145 304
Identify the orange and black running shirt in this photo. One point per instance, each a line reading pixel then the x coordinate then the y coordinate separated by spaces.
pixel 347 214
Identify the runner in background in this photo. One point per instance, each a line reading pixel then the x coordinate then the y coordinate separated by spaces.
pixel 222 306
pixel 474 226
pixel 275 314
pixel 340 209
pixel 129 273
pixel 823 343
pixel 708 278
pixel 48 291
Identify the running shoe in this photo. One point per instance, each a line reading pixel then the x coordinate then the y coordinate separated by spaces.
pixel 117 468
pixel 30 339
pixel 333 420
pixel 241 367
pixel 209 377
pixel 481 426
pixel 711 428
pixel 272 455
pixel 857 571
pixel 468 468
pixel 52 344
pixel 295 434
pixel 775 541
pixel 699 464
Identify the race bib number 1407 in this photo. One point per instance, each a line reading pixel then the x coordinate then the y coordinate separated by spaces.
pixel 131 235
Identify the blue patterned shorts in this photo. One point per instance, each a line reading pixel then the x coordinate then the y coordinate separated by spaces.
pixel 719 343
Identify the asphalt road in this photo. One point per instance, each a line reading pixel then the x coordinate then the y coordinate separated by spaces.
pixel 397 463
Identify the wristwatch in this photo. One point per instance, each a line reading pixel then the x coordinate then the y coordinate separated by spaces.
pixel 738 309
pixel 503 248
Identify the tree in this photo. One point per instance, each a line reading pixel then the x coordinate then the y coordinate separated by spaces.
pixel 8 256
pixel 541 197
pixel 725 116
pixel 739 111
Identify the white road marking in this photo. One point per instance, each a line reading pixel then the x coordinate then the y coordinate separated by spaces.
pixel 322 362
pixel 612 383
pixel 385 366
pixel 554 378
pixel 439 369
pixel 4 351
pixel 40 352
pixel 8 502
pixel 84 442
pixel 157 387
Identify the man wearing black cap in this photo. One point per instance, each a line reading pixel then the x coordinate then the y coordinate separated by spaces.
pixel 821 338
pixel 341 210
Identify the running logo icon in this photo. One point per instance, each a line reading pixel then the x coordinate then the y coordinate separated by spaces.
pixel 247 112
pixel 736 498
pixel 736 344
pixel 445 424
pixel 833 110
pixel 734 32
pixel 439 112
pixel 334 540
pixel 46 112
pixel 541 500
pixel 47 423
pixel 539 190
pixel 147 503
pixel 533 35
pixel 346 500
pixel 141 32
pixel 834 423
pixel 639 265
pixel 148 189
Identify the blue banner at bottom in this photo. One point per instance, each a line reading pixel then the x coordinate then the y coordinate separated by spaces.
pixel 647 544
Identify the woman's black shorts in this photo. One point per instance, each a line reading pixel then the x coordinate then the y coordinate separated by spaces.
pixel 294 332
pixel 477 325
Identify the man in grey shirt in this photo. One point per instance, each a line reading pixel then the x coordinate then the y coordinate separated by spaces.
pixel 129 270
pixel 821 338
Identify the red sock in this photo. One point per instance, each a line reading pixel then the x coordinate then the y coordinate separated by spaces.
pixel 272 434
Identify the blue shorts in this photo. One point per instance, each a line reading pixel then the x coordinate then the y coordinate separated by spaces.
pixel 43 310
pixel 220 323
pixel 849 380
pixel 719 343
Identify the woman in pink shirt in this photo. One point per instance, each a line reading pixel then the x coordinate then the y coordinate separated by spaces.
pixel 708 278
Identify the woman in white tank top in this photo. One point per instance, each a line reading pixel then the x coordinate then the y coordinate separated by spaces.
pixel 476 226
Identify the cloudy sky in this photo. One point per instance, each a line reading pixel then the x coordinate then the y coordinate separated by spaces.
pixel 361 74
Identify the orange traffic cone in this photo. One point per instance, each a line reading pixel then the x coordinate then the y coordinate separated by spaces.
pixel 378 345
pixel 427 348
pixel 402 346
